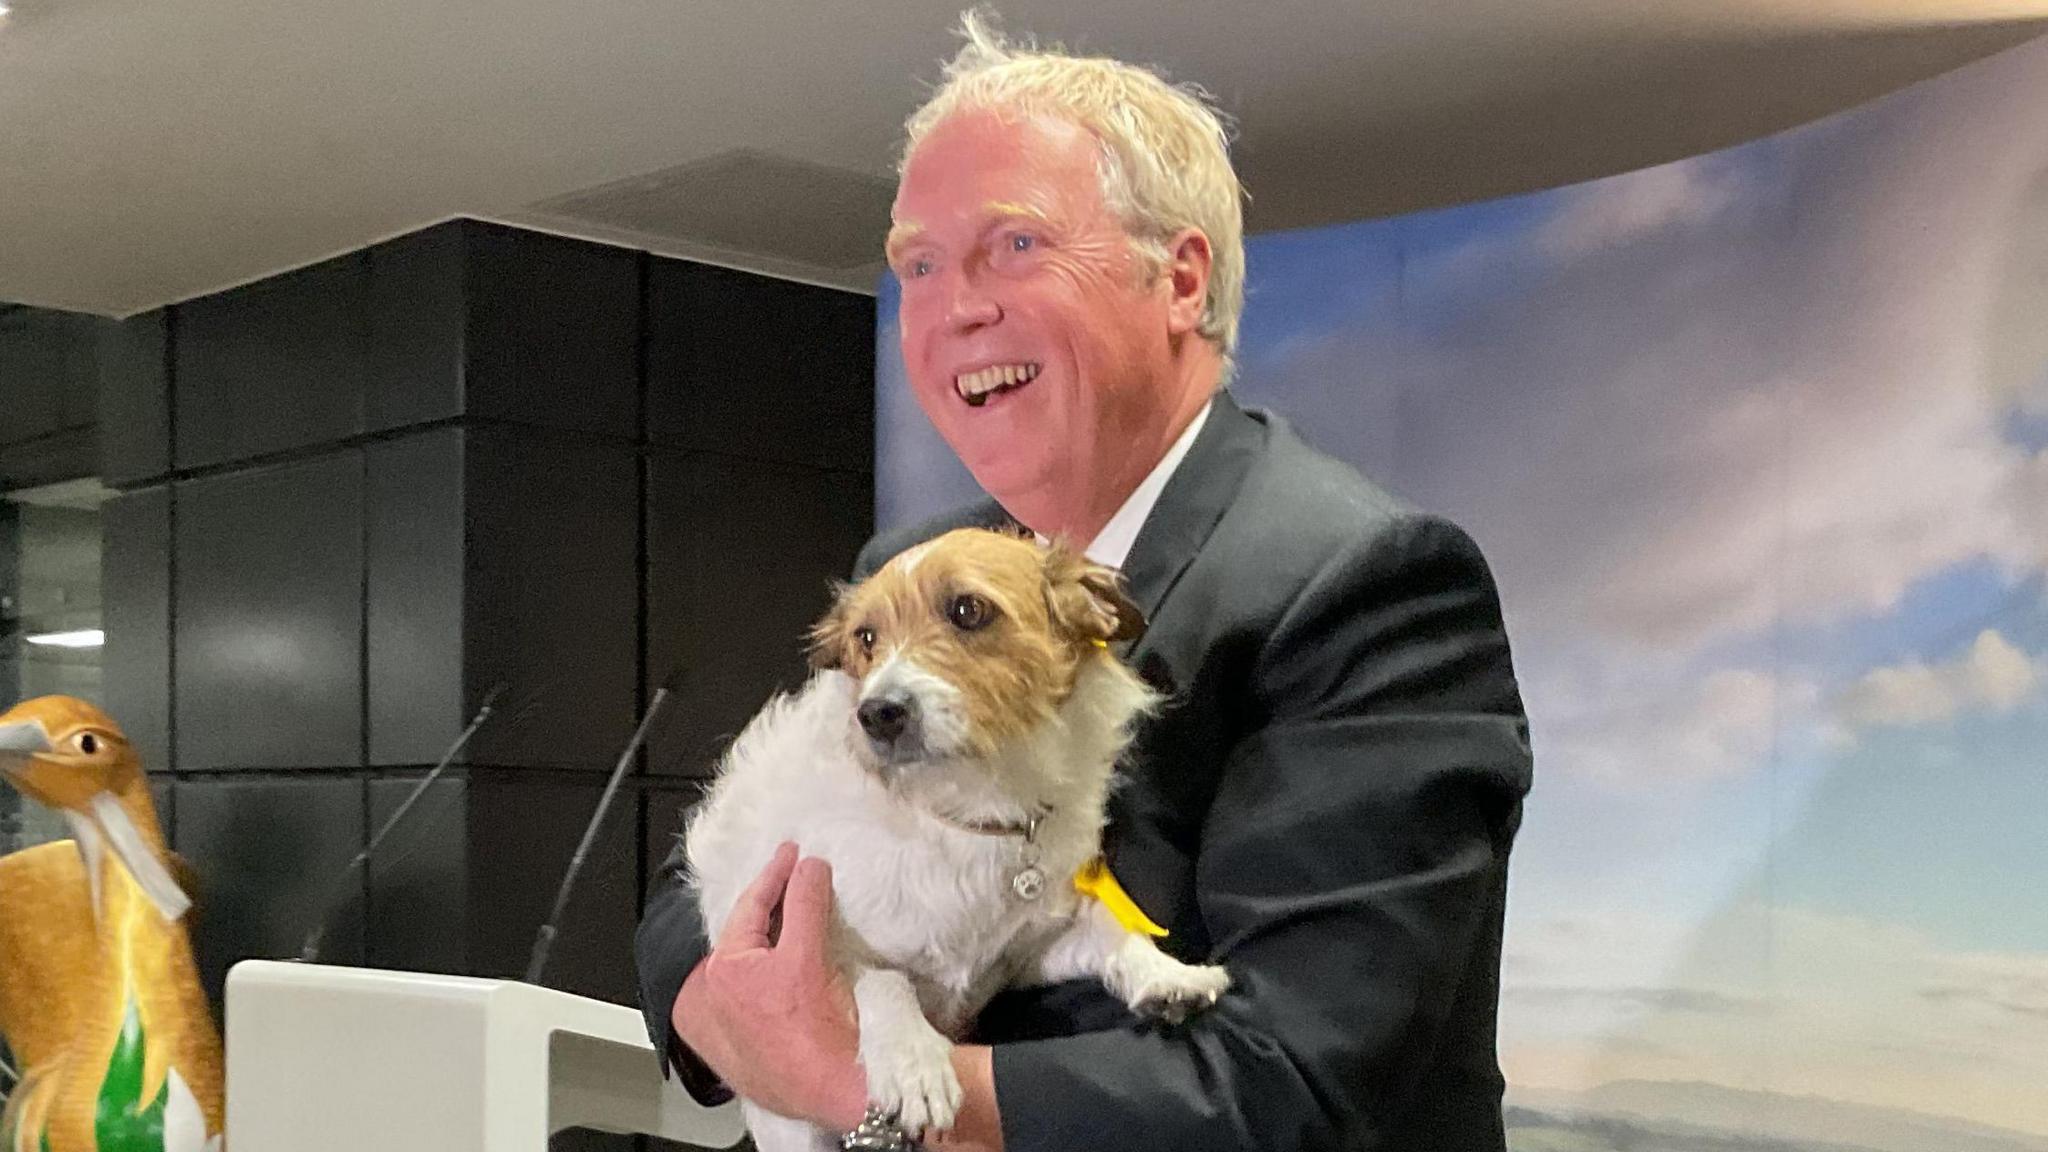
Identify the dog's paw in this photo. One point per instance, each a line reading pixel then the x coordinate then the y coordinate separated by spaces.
pixel 910 1073
pixel 1154 984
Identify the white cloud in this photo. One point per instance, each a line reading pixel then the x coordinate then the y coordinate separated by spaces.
pixel 1906 695
pixel 1648 725
pixel 1790 1001
pixel 2002 988
pixel 1649 203
pixel 1990 676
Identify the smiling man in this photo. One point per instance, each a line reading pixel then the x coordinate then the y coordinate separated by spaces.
pixel 1326 807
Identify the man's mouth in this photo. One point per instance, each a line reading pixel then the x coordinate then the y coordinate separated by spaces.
pixel 977 387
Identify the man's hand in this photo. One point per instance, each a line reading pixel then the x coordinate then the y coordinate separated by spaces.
pixel 773 1017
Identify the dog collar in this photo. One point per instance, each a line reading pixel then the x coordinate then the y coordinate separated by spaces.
pixel 1094 879
pixel 1028 881
pixel 1027 827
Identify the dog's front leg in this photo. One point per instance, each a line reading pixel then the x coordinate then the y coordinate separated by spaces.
pixel 909 1064
pixel 774 1133
pixel 1131 966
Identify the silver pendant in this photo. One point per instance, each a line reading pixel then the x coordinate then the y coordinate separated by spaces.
pixel 1028 884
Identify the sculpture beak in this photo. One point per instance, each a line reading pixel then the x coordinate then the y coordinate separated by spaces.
pixel 20 741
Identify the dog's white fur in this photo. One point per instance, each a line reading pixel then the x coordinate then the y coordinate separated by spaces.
pixel 928 928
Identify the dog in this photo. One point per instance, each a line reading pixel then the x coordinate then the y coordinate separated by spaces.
pixel 951 756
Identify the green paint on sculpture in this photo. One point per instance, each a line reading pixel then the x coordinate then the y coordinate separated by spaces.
pixel 122 1123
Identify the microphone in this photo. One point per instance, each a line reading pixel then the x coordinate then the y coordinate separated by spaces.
pixel 537 963
pixel 310 951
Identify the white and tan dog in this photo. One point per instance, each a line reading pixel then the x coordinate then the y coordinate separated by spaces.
pixel 951 759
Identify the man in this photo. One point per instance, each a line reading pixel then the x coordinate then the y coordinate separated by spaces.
pixel 1326 807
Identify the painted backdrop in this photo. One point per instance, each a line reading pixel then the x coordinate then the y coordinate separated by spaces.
pixel 1758 446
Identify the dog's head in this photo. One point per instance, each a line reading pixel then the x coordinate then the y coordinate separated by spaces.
pixel 970 643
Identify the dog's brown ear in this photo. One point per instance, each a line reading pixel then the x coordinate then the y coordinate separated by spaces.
pixel 1087 600
pixel 827 649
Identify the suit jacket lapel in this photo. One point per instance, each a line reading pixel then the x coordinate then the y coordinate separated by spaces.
pixel 1196 497
pixel 986 513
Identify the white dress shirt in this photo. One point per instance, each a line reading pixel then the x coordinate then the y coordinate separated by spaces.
pixel 1112 546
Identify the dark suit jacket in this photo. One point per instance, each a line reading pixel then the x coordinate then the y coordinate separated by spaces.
pixel 1325 807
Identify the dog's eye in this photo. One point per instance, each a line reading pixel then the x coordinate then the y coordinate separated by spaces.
pixel 866 636
pixel 969 612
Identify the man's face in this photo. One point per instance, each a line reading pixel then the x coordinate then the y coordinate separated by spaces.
pixel 1011 260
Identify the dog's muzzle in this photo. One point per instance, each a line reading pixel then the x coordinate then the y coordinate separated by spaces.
pixel 890 721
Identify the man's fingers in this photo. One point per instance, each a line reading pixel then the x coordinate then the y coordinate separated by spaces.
pixel 751 917
pixel 807 912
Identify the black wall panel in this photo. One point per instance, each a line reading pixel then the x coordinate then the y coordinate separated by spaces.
pixel 135 609
pixel 553 332
pixel 419 877
pixel 269 617
pixel 416 302
pixel 668 811
pixel 135 399
pixel 766 369
pixel 522 832
pixel 43 354
pixel 268 851
pixel 414 550
pixel 741 556
pixel 551 605
pixel 48 372
pixel 272 366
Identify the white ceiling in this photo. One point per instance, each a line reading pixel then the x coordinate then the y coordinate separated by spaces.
pixel 153 151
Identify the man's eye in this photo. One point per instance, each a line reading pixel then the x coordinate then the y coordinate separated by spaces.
pixel 1023 242
pixel 919 269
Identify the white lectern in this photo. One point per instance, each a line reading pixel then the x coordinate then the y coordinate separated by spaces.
pixel 326 1059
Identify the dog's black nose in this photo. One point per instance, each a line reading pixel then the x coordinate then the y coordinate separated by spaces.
pixel 885 717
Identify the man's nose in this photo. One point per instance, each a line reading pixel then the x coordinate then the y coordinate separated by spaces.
pixel 972 308
pixel 886 716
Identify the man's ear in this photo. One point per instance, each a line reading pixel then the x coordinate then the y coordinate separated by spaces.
pixel 1189 265
pixel 1087 600
pixel 827 649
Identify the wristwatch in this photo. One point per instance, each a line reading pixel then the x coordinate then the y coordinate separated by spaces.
pixel 879 1131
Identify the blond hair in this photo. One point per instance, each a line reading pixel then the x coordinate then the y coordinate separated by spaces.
pixel 1165 148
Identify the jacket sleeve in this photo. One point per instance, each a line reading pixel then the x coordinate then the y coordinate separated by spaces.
pixel 1348 870
pixel 668 947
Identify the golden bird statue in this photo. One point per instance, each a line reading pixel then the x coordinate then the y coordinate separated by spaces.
pixel 100 998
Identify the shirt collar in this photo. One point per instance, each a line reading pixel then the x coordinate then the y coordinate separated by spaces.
pixel 1112 546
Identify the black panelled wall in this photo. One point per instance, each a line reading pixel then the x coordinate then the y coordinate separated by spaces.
pixel 48 368
pixel 48 361
pixel 357 497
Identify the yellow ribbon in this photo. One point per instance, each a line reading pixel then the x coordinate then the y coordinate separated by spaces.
pixel 1094 879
